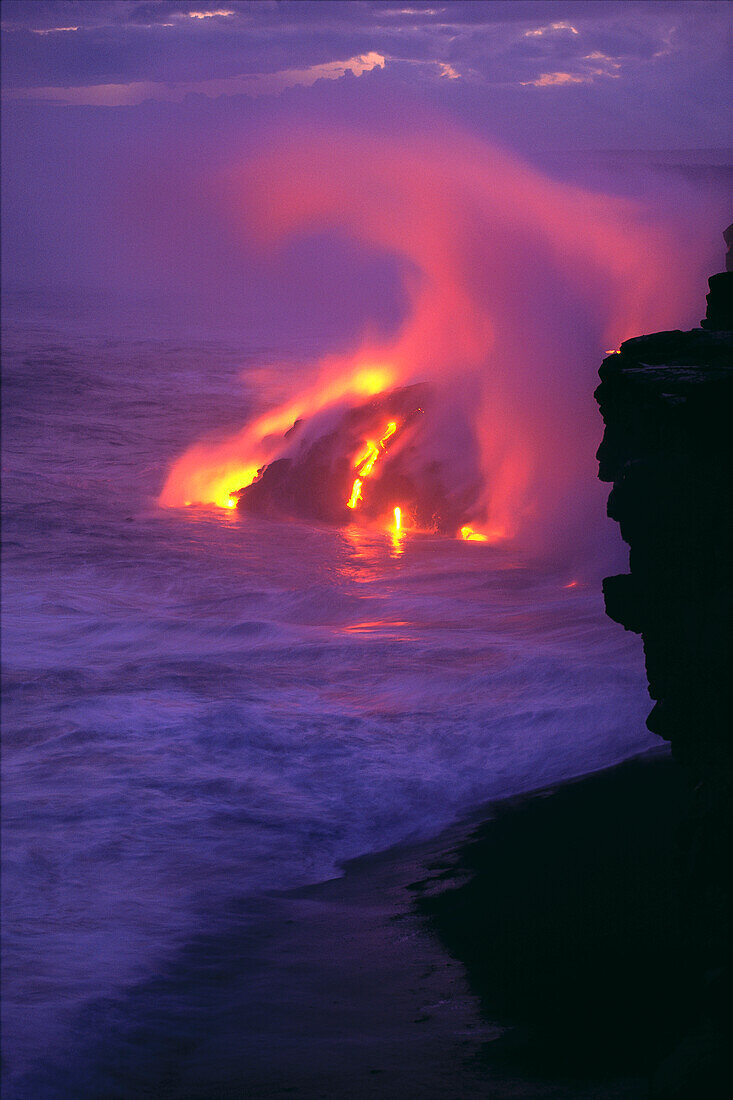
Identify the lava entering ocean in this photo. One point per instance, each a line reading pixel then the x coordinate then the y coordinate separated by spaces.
pixel 475 417
pixel 368 461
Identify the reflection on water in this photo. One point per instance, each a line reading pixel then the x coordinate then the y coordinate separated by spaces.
pixel 200 706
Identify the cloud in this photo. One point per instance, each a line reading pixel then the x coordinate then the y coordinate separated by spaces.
pixel 548 80
pixel 54 30
pixel 603 65
pixel 589 66
pixel 448 71
pixel 251 84
pixel 218 12
pixel 540 31
pixel 632 53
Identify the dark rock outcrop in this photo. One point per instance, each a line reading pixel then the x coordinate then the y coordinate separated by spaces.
pixel 594 920
pixel 720 302
pixel 315 478
pixel 667 402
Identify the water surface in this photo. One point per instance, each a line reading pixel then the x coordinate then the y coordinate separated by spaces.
pixel 201 708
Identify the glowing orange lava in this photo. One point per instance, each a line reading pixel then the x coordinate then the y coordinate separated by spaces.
pixel 365 462
pixel 367 459
pixel 210 473
pixel 355 494
pixel 466 224
pixel 470 535
pixel 396 532
pixel 391 429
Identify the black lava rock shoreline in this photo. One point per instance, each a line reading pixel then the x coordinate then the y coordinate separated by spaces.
pixel 568 944
pixel 597 923
pixel 571 926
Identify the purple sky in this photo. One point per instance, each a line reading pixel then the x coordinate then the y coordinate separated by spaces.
pixel 500 189
pixel 627 74
pixel 111 106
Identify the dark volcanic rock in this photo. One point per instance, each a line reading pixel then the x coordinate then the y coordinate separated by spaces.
pixel 314 480
pixel 568 924
pixel 667 402
pixel 720 298
pixel 595 920
pixel 720 302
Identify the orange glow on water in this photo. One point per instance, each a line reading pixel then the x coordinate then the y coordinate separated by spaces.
pixel 397 533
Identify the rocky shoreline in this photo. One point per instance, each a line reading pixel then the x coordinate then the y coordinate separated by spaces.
pixel 667 402
pixel 494 960
pixel 598 924
pixel 573 942
pixel 569 922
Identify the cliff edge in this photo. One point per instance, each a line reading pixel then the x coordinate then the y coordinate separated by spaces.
pixel 667 404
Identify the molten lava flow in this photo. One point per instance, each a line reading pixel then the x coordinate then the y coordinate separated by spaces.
pixel 212 473
pixel 355 494
pixel 503 271
pixel 391 429
pixel 470 535
pixel 367 460
pixel 365 463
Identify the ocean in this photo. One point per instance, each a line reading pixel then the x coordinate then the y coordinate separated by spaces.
pixel 203 709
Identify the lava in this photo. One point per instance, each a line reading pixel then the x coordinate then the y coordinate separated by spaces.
pixel 355 494
pixel 365 464
pixel 214 473
pixel 313 476
pixel 391 429
pixel 470 535
pixel 367 459
pixel 397 531
pixel 513 281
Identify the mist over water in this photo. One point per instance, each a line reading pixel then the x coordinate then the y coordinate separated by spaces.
pixel 513 281
pixel 243 215
pixel 201 708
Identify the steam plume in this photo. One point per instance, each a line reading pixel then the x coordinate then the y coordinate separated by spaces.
pixel 516 284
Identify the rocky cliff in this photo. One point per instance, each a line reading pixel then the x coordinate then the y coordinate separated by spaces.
pixel 593 920
pixel 667 403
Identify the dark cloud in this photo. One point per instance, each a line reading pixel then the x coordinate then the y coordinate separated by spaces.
pixel 641 59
